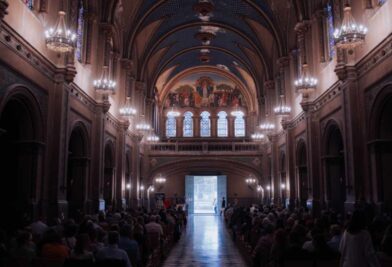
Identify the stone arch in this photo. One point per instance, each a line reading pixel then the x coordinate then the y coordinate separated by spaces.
pixel 302 173
pixel 21 141
pixel 334 167
pixel 78 170
pixel 380 147
pixel 109 173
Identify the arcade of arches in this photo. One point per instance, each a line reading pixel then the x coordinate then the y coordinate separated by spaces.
pixel 204 79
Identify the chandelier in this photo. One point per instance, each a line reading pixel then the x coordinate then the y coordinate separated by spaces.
pixel 282 109
pixel 143 126
pixel 350 34
pixel 250 180
pixel 306 83
pixel 60 39
pixel 104 85
pixel 203 7
pixel 257 136
pixel 160 179
pixel 267 126
pixel 152 138
pixel 127 110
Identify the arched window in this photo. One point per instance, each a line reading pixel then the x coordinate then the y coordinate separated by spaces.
pixel 188 124
pixel 239 125
pixel 330 28
pixel 171 125
pixel 205 124
pixel 222 124
pixel 80 31
pixel 29 3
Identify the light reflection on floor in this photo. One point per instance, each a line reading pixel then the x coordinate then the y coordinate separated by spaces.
pixel 205 243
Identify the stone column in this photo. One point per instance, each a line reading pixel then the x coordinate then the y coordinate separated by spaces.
pixel 230 125
pixel 179 126
pixel 196 125
pixel 97 183
pixel 119 181
pixel 214 125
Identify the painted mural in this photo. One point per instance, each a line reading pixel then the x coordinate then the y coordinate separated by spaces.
pixel 205 90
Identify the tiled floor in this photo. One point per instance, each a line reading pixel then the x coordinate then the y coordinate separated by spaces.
pixel 206 242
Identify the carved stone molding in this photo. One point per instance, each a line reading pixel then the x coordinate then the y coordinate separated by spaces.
pixel 3 9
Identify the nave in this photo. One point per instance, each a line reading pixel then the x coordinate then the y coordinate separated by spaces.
pixel 205 242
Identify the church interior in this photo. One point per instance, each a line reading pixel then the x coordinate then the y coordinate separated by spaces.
pixel 209 107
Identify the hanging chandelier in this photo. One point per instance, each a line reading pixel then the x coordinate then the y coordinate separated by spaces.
pixel 282 109
pixel 104 85
pixel 160 179
pixel 257 136
pixel 306 83
pixel 267 126
pixel 127 110
pixel 59 38
pixel 143 126
pixel 152 138
pixel 350 34
pixel 250 180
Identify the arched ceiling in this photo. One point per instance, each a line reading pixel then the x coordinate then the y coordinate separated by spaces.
pixel 247 38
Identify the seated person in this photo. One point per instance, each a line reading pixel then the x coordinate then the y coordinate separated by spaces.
pixel 111 251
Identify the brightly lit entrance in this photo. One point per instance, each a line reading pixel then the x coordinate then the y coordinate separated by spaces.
pixel 205 193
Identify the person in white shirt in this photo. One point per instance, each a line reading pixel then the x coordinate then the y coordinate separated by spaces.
pixel 356 246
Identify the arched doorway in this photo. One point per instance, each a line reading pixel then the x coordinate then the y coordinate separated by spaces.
pixel 20 160
pixel 77 171
pixel 381 151
pixel 334 169
pixel 108 177
pixel 302 172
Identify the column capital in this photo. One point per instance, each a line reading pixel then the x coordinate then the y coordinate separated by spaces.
pixel 127 64
pixel 140 86
pixel 269 85
pixel 302 27
pixel 283 61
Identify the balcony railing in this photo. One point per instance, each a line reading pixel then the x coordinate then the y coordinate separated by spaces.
pixel 205 147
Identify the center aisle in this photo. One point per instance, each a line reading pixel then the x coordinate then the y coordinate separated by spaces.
pixel 205 242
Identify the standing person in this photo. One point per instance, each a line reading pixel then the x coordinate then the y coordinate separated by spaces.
pixel 356 245
pixel 223 206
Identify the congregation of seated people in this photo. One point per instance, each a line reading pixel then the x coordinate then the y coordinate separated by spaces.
pixel 276 236
pixel 116 239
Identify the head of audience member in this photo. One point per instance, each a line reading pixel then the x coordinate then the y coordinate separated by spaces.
pixel 113 238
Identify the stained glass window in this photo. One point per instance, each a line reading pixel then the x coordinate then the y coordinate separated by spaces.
pixel 239 125
pixel 80 32
pixel 330 27
pixel 222 124
pixel 171 125
pixel 29 3
pixel 188 124
pixel 205 124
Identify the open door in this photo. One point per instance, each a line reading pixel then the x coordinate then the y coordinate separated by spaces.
pixel 222 190
pixel 189 191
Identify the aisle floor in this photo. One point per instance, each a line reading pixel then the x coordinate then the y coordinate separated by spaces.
pixel 205 243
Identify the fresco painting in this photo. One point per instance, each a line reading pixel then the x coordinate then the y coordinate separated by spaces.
pixel 205 90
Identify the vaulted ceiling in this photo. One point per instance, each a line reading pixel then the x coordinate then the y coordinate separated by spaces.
pixel 245 37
